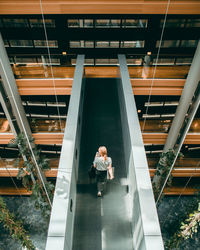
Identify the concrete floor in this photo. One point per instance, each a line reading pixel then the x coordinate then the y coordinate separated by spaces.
pixel 102 223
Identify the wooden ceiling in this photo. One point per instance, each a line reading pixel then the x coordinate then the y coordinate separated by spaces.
pixel 99 7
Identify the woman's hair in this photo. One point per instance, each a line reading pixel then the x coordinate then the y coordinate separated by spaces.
pixel 103 152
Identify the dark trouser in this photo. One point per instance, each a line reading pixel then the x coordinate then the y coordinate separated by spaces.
pixel 101 180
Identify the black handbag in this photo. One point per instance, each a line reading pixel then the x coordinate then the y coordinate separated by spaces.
pixel 92 172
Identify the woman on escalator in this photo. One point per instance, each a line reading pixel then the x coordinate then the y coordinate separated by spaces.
pixel 103 164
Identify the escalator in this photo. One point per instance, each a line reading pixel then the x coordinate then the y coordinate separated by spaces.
pixel 102 223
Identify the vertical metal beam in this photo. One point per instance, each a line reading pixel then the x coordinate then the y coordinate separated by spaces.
pixel 181 138
pixel 61 225
pixel 10 88
pixel 8 111
pixel 145 224
pixel 191 84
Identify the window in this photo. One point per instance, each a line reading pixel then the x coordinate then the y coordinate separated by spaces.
pixel 173 23
pixel 54 60
pixel 21 43
pixel 88 23
pixel 89 44
pixel 38 23
pixel 184 61
pixel 193 23
pixel 114 44
pixel 102 44
pixel 25 60
pixel 115 23
pixel 168 43
pixel 189 43
pixel 73 23
pixel 15 22
pixel 43 43
pixel 134 61
pixel 132 44
pixel 164 61
pixel 89 62
pixel 134 23
pixel 6 44
pixel 74 44
pixel 102 23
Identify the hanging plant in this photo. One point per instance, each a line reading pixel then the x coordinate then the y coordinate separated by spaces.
pixel 162 170
pixel 14 227
pixel 29 176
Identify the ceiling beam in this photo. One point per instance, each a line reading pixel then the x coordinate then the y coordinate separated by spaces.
pixel 100 7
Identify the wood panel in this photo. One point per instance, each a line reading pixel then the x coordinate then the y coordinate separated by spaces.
pixel 157 86
pixel 56 138
pixel 100 7
pixel 44 86
pixel 167 191
pixel 64 86
pixel 162 72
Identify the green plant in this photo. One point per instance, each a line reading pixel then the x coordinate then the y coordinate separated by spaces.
pixel 14 227
pixel 162 170
pixel 29 175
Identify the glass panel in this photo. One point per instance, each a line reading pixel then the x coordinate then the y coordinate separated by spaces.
pixel 193 23
pixel 180 61
pixel 49 23
pixel 89 44
pixel 88 23
pixel 25 60
pixel 1 24
pixel 89 62
pixel 134 23
pixel 6 44
pixel 43 43
pixel 54 60
pixel 132 44
pixel 74 44
pixel 11 59
pixel 102 61
pixel 114 44
pixel 134 61
pixel 113 61
pixel 173 23
pixel 102 44
pixel 189 43
pixel 73 61
pixel 21 43
pixel 164 61
pixel 102 23
pixel 168 43
pixel 115 23
pixel 15 22
pixel 73 23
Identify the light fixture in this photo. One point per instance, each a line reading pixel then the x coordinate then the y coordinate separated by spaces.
pixel 64 53
pixel 139 111
pixel 149 53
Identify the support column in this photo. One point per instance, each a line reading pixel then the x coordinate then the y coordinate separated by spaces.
pixel 10 90
pixel 190 87
pixel 191 84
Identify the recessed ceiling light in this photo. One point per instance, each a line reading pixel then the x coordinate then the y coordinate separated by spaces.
pixel 64 53
pixel 139 111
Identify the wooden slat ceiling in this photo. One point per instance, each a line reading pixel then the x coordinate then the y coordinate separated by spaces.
pixel 99 7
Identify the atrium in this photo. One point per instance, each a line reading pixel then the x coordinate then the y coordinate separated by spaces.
pixel 77 75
